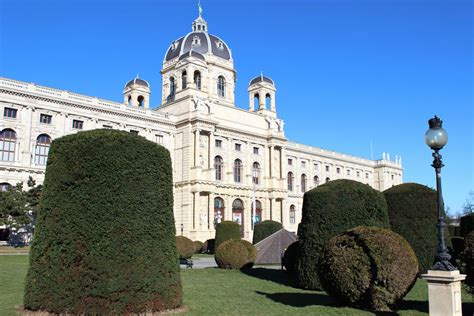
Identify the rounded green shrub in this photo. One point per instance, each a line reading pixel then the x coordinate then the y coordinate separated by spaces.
pixel 264 229
pixel 467 224
pixel 329 210
pixel 185 247
pixel 368 267
pixel 226 230
pixel 104 239
pixel 235 254
pixel 468 256
pixel 198 246
pixel 209 246
pixel 290 257
pixel 413 213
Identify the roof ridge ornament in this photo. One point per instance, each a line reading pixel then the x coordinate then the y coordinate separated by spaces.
pixel 199 24
pixel 200 8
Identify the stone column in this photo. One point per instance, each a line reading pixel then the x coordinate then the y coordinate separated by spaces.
pixel 210 211
pixel 444 292
pixel 211 151
pixel 271 204
pixel 272 102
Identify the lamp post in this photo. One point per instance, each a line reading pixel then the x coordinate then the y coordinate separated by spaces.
pixel 436 137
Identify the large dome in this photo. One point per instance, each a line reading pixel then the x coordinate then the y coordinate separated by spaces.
pixel 199 41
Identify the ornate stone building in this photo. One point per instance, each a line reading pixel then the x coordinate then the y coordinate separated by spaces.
pixel 228 163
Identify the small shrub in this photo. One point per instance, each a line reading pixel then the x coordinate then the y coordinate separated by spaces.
pixel 227 230
pixel 368 267
pixel 329 210
pixel 468 256
pixel 209 246
pixel 467 224
pixel 235 254
pixel 413 213
pixel 264 229
pixel 185 247
pixel 198 246
pixel 290 258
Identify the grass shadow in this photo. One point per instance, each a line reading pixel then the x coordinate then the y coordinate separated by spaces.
pixel 302 299
pixel 274 275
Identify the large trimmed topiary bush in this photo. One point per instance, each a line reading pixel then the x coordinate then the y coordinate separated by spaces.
pixel 104 240
pixel 185 247
pixel 198 246
pixel 209 246
pixel 413 213
pixel 368 267
pixel 235 254
pixel 329 210
pixel 466 224
pixel 226 230
pixel 468 257
pixel 290 257
pixel 264 229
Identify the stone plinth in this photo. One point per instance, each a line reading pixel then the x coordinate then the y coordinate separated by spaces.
pixel 444 292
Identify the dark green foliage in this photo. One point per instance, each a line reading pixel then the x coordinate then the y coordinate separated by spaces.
pixel 329 210
pixel 468 256
pixel 104 241
pixel 368 267
pixel 185 247
pixel 467 224
pixel 412 210
pixel 235 254
pixel 226 230
pixel 264 229
pixel 454 231
pixel 209 246
pixel 458 245
pixel 290 258
pixel 198 246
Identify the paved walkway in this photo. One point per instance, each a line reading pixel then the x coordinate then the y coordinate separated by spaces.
pixel 202 263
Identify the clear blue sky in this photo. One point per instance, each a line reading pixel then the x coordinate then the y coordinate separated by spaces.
pixel 347 72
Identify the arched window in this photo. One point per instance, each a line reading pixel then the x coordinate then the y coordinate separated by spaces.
pixel 221 86
pixel 184 79
pixel 256 101
pixel 7 145
pixel 292 214
pixel 41 149
pixel 268 101
pixel 303 183
pixel 256 173
pixel 315 181
pixel 5 186
pixel 218 210
pixel 238 214
pixel 129 100
pixel 172 88
pixel 258 212
pixel 290 180
pixel 327 179
pixel 219 166
pixel 141 101
pixel 237 170
pixel 197 79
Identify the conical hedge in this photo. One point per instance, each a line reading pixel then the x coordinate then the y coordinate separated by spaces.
pixel 105 237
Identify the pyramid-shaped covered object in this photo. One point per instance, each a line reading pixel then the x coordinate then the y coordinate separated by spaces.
pixel 270 249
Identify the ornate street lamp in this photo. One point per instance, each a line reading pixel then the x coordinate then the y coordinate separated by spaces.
pixel 436 137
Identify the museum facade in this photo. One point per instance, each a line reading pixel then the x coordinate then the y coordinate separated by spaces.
pixel 228 163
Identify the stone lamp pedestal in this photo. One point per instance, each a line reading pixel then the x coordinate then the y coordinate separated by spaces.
pixel 444 292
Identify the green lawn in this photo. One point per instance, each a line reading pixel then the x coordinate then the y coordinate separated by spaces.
pixel 219 292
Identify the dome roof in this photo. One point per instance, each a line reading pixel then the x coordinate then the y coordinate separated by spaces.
pixel 139 82
pixel 191 53
pixel 199 41
pixel 261 78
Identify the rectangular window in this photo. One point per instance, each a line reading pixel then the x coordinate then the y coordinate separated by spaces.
pixel 366 175
pixel 348 172
pixel 303 164
pixel 107 127
pixel 292 216
pixel 45 118
pixel 315 167
pixel 76 124
pixel 358 173
pixel 10 113
pixel 290 162
pixel 255 150
pixel 159 139
pixel 327 168
pixel 218 143
pixel 238 147
pixel 338 170
pixel 133 131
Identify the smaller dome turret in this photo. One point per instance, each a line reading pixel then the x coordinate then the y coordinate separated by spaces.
pixel 136 93
pixel 262 95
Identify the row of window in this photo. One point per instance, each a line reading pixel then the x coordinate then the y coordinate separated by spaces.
pixel 237 147
pixel 8 145
pixel 238 211
pixel 221 83
pixel 44 118
pixel 328 168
